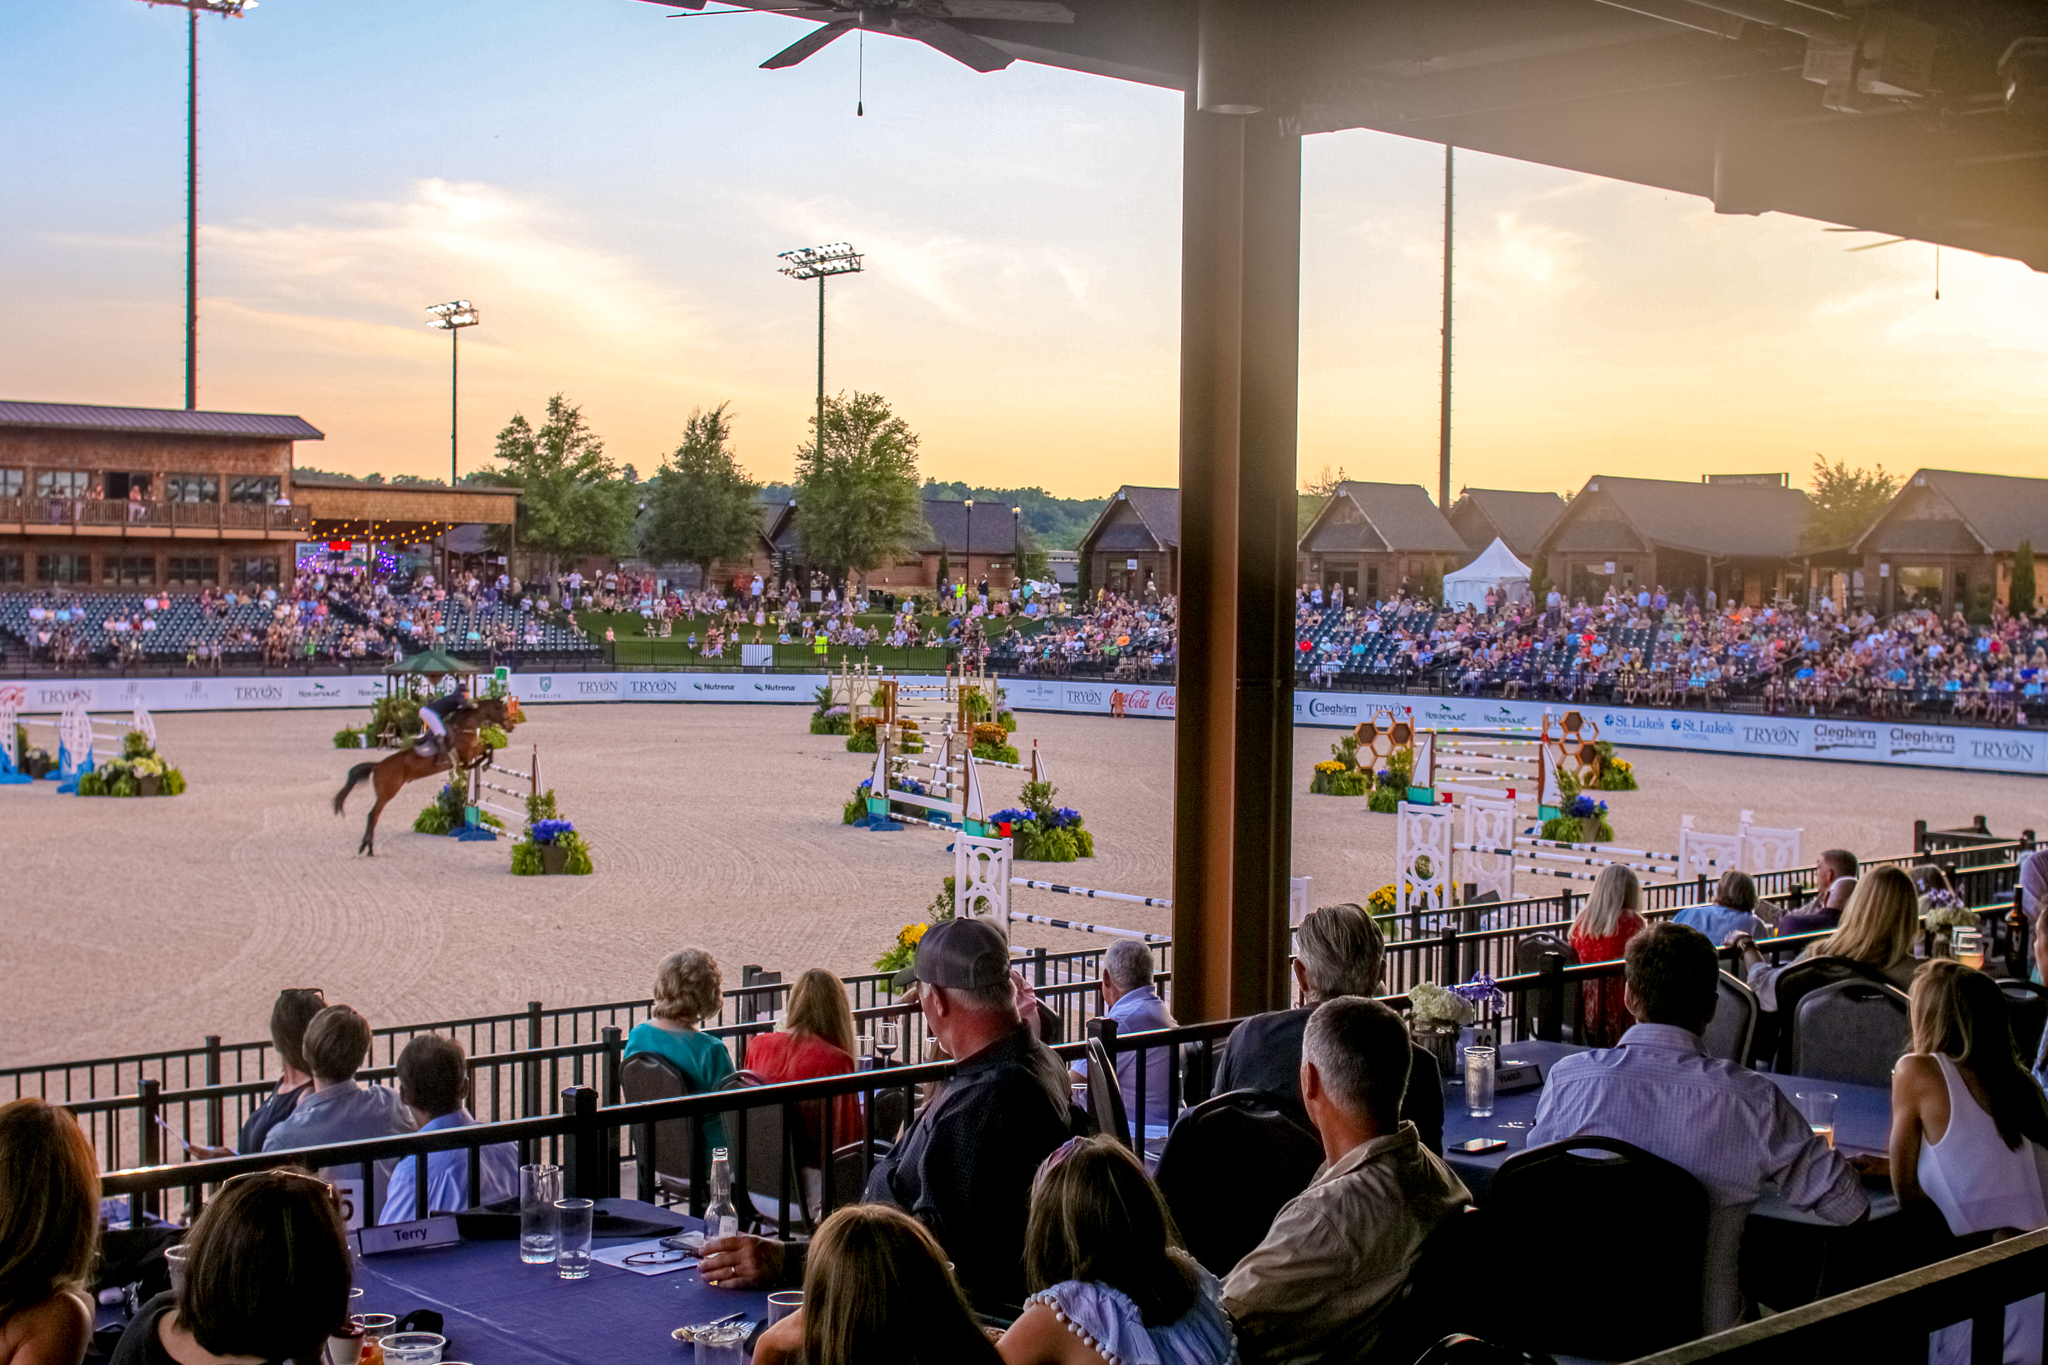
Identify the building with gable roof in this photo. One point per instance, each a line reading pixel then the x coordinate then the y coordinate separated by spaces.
pixel 1378 539
pixel 1739 539
pixel 978 543
pixel 1514 516
pixel 1135 541
pixel 1947 540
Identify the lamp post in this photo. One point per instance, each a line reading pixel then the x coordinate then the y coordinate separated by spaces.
pixel 820 263
pixel 232 9
pixel 452 318
pixel 970 545
pixel 1016 550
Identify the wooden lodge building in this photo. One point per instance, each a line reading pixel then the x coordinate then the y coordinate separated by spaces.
pixel 1947 541
pixel 1134 540
pixel 1513 516
pixel 975 542
pixel 1377 539
pixel 1738 538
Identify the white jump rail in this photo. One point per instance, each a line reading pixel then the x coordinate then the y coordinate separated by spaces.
pixel 479 783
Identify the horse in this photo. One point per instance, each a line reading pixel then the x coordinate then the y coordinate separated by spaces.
pixel 389 774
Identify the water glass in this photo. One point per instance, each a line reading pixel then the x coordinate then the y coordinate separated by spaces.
pixel 1818 1108
pixel 413 1348
pixel 1479 1081
pixel 539 1188
pixel 782 1305
pixel 725 1344
pixel 375 1327
pixel 572 1245
pixel 174 1261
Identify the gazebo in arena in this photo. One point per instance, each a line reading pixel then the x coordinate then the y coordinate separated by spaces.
pixel 1920 118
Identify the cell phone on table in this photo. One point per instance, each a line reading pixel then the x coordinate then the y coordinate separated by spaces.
pixel 1479 1146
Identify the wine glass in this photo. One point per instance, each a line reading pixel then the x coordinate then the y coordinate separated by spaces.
pixel 888 1033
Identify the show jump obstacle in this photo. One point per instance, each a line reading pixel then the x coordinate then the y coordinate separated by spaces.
pixel 482 787
pixel 78 734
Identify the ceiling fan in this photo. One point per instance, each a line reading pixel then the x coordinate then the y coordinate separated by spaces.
pixel 922 20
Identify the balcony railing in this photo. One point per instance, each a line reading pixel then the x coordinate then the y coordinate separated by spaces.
pixel 26 514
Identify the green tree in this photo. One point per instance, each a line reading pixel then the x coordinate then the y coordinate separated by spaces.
pixel 571 500
pixel 1845 501
pixel 857 489
pixel 701 505
pixel 2020 597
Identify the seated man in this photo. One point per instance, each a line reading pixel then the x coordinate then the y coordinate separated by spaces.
pixel 1834 877
pixel 1338 951
pixel 340 1110
pixel 964 1168
pixel 1728 1125
pixel 433 1082
pixel 1340 1252
pixel 1129 999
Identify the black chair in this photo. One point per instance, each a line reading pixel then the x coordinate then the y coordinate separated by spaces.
pixel 1530 952
pixel 1731 1034
pixel 1106 1094
pixel 1437 1298
pixel 1849 1031
pixel 1775 1027
pixel 650 1076
pixel 2026 1006
pixel 1564 1206
pixel 764 1164
pixel 1238 1142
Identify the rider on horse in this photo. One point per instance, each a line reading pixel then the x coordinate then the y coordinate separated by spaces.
pixel 434 716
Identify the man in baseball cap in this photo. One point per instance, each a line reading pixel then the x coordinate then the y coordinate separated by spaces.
pixel 959 954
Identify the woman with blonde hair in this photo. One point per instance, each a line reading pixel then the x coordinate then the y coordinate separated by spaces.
pixel 1878 928
pixel 687 990
pixel 1970 1132
pixel 877 1291
pixel 816 1039
pixel 1601 932
pixel 49 1235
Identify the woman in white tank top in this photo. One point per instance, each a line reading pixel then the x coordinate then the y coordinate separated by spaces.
pixel 1970 1133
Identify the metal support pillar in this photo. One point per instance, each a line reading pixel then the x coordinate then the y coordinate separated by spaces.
pixel 1233 742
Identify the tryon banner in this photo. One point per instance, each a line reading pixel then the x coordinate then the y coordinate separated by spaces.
pixel 1857 741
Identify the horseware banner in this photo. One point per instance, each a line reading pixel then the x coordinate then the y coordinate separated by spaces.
pixel 1967 748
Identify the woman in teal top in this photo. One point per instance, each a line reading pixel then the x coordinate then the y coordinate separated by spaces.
pixel 687 990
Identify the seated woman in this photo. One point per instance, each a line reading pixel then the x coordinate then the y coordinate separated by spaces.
pixel 49 1235
pixel 1110 1278
pixel 687 990
pixel 1970 1133
pixel 877 1288
pixel 816 1039
pixel 1878 927
pixel 266 1279
pixel 1733 910
pixel 1600 934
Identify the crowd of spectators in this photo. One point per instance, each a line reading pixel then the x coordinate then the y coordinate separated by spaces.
pixel 997 1204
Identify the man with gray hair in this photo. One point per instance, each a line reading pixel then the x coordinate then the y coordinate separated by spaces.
pixel 1338 950
pixel 1319 1287
pixel 1129 999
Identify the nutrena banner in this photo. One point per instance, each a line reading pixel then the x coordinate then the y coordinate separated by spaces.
pixel 1961 747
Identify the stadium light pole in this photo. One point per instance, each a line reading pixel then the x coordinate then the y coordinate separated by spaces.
pixel 233 9
pixel 820 263
pixel 452 318
pixel 1016 545
pixel 970 544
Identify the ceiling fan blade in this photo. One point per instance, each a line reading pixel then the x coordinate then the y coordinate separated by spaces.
pixel 1872 246
pixel 809 43
pixel 1024 11
pixel 961 46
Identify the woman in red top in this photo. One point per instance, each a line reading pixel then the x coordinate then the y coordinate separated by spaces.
pixel 1600 934
pixel 816 1039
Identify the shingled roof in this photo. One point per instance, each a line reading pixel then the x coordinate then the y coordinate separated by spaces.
pixel 1997 510
pixel 158 421
pixel 1396 517
pixel 995 530
pixel 1516 515
pixel 1724 520
pixel 1157 509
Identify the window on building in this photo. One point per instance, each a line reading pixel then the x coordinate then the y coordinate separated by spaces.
pixel 256 573
pixel 11 568
pixel 253 488
pixel 65 568
pixel 1920 585
pixel 191 571
pixel 192 488
pixel 10 483
pixel 128 571
pixel 61 483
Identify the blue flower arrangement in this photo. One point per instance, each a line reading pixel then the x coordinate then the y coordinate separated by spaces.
pixel 1583 807
pixel 548 831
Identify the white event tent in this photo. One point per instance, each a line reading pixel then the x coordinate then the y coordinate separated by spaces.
pixel 1495 568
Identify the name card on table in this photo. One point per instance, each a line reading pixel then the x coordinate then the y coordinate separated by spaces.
pixel 427 1232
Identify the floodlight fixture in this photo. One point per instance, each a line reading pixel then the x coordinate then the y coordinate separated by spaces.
pixel 821 263
pixel 452 318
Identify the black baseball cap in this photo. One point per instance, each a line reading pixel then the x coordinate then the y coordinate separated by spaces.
pixel 959 954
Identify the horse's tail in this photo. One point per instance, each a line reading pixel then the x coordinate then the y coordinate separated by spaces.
pixel 355 775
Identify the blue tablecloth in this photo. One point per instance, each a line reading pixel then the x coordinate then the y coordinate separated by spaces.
pixel 501 1311
pixel 1862 1123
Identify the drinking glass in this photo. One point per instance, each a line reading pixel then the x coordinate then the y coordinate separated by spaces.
pixel 539 1188
pixel 174 1261
pixel 1968 946
pixel 572 1244
pixel 722 1345
pixel 1479 1081
pixel 1819 1108
pixel 887 1035
pixel 865 1044
pixel 345 1347
pixel 375 1326
pixel 782 1305
pixel 413 1348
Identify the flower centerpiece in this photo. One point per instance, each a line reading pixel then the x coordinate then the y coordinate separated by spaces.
pixel 552 846
pixel 1942 908
pixel 1617 774
pixel 827 718
pixel 1435 1015
pixel 139 771
pixel 1580 820
pixel 1042 832
pixel 992 742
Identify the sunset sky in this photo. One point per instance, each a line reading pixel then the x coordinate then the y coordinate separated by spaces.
pixel 611 188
